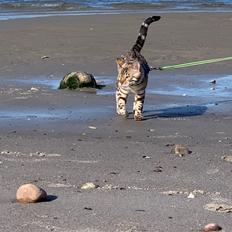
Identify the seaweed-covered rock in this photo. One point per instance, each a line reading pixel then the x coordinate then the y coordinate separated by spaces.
pixel 78 79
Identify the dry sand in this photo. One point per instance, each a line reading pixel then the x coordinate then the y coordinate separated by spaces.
pixel 63 139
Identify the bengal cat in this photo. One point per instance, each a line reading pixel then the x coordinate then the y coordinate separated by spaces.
pixel 133 73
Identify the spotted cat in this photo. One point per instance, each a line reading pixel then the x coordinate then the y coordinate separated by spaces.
pixel 133 73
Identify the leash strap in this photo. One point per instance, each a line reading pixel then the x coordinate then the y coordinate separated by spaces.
pixel 194 63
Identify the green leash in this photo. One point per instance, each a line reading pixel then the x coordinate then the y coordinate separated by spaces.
pixel 185 65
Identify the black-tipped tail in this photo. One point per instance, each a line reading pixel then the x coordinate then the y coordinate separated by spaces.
pixel 143 33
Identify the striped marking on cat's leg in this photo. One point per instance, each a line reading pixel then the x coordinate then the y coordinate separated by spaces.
pixel 138 106
pixel 121 98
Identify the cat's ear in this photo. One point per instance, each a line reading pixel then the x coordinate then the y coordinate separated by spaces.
pixel 136 66
pixel 120 61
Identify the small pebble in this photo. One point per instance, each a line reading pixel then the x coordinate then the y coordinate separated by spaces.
pixel 180 150
pixel 213 82
pixel 191 196
pixel 34 89
pixel 92 127
pixel 45 57
pixel 88 185
pixel 88 208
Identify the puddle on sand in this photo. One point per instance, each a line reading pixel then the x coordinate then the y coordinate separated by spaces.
pixel 198 88
pixel 52 82
pixel 191 86
pixel 180 85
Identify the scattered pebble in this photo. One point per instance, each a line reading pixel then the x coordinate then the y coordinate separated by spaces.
pixel 227 158
pixel 30 193
pixel 44 57
pixel 213 82
pixel 216 207
pixel 88 208
pixel 92 127
pixel 180 150
pixel 191 195
pixel 172 192
pixel 88 185
pixel 158 169
pixel 59 185
pixel 212 227
pixel 146 157
pixel 34 89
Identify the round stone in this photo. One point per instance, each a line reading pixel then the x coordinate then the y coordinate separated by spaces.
pixel 30 193
pixel 212 227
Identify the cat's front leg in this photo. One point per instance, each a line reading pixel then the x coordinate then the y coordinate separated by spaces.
pixel 138 106
pixel 121 97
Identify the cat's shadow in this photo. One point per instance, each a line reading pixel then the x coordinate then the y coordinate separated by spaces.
pixel 172 112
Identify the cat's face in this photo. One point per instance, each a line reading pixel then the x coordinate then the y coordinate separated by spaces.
pixel 127 69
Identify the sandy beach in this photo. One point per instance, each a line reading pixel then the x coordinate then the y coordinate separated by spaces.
pixel 60 139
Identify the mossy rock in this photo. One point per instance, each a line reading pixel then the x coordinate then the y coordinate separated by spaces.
pixel 76 80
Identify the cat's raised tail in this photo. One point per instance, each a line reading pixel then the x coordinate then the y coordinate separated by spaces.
pixel 143 33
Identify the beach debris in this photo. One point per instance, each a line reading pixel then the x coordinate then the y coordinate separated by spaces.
pixel 30 193
pixel 227 158
pixel 92 127
pixel 213 82
pixel 218 207
pixel 59 185
pixel 180 150
pixel 88 185
pixel 44 57
pixel 211 227
pixel 146 157
pixel 158 169
pixel 78 79
pixel 88 208
pixel 191 195
pixel 195 193
pixel 34 89
pixel 172 192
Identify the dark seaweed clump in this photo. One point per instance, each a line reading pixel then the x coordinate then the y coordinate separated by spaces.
pixel 74 83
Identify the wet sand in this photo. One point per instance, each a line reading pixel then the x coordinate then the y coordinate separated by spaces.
pixel 61 139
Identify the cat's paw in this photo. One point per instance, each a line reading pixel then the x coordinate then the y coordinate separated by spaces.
pixel 138 117
pixel 124 114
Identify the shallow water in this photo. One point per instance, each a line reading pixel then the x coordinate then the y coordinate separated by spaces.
pixel 19 9
pixel 198 86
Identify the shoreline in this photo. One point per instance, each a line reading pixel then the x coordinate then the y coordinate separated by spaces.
pixel 17 15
